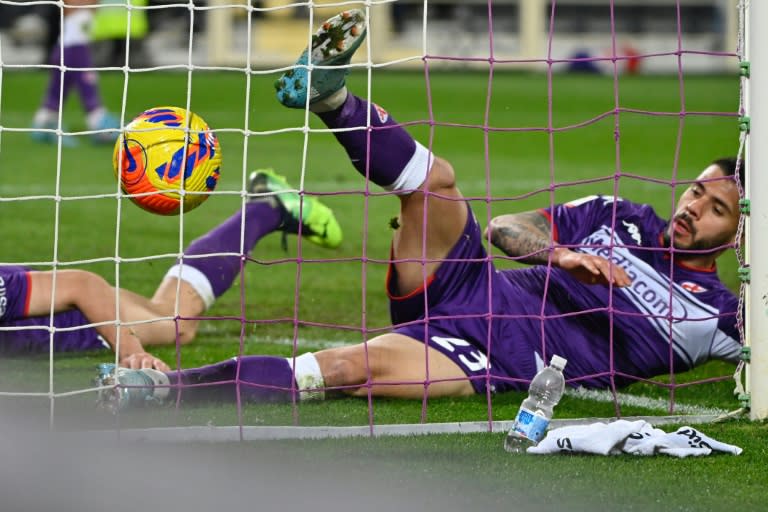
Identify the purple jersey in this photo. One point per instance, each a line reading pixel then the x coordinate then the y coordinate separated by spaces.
pixel 32 334
pixel 670 318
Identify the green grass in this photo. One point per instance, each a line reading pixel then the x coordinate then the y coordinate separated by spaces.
pixel 350 293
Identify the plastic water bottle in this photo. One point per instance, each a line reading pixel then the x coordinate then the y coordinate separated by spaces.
pixel 532 419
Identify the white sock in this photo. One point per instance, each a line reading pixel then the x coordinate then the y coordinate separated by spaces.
pixel 330 103
pixel 44 116
pixel 196 279
pixel 308 377
pixel 94 117
pixel 415 172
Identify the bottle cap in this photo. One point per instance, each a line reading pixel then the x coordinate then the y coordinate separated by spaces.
pixel 558 362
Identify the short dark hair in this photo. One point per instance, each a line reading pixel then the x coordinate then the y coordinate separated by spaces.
pixel 728 165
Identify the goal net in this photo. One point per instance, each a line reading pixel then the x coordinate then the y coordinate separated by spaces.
pixel 535 104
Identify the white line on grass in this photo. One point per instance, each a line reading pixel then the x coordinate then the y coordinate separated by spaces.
pixel 304 342
pixel 657 404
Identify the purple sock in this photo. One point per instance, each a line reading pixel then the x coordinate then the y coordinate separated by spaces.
pixel 51 101
pixel 272 374
pixel 261 218
pixel 391 148
pixel 76 56
pixel 87 82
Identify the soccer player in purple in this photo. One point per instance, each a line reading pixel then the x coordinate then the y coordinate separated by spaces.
pixel 73 51
pixel 85 305
pixel 618 291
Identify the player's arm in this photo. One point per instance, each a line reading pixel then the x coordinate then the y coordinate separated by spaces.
pixel 528 236
pixel 95 298
pixel 525 235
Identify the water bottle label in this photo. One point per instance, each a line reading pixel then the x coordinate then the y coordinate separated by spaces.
pixel 530 425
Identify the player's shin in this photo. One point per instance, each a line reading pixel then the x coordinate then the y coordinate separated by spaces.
pixel 211 276
pixel 256 378
pixel 386 153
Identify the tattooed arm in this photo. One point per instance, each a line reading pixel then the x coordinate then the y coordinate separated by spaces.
pixel 528 235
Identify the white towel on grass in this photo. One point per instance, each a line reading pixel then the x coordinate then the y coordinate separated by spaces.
pixel 634 437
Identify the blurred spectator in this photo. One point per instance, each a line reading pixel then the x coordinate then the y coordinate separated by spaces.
pixel 73 51
pixel 582 61
pixel 109 31
pixel 51 14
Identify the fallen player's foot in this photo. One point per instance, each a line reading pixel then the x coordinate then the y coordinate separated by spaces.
pixel 317 222
pixel 333 44
pixel 125 388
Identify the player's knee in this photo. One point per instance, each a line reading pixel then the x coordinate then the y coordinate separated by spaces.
pixel 87 281
pixel 491 229
pixel 441 176
pixel 185 337
pixel 187 332
pixel 341 367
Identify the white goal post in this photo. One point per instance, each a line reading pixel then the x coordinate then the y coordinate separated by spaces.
pixel 756 318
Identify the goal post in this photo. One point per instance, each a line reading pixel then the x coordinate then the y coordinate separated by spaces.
pixel 756 109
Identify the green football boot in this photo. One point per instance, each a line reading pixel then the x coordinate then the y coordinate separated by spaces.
pixel 300 212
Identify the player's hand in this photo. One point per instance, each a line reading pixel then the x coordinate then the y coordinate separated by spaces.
pixel 140 360
pixel 590 269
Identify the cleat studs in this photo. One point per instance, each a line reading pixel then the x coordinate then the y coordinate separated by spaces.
pixel 354 30
pixel 297 84
pixel 278 84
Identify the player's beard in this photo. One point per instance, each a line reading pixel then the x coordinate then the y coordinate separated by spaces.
pixel 714 244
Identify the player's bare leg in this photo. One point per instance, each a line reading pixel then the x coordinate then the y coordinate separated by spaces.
pixel 441 216
pixel 157 317
pixel 96 300
pixel 392 365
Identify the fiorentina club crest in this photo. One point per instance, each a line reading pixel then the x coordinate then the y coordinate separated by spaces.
pixel 383 114
pixel 692 287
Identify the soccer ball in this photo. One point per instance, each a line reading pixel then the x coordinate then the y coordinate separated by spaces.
pixel 167 159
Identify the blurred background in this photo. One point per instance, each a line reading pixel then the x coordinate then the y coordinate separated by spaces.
pixel 226 32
